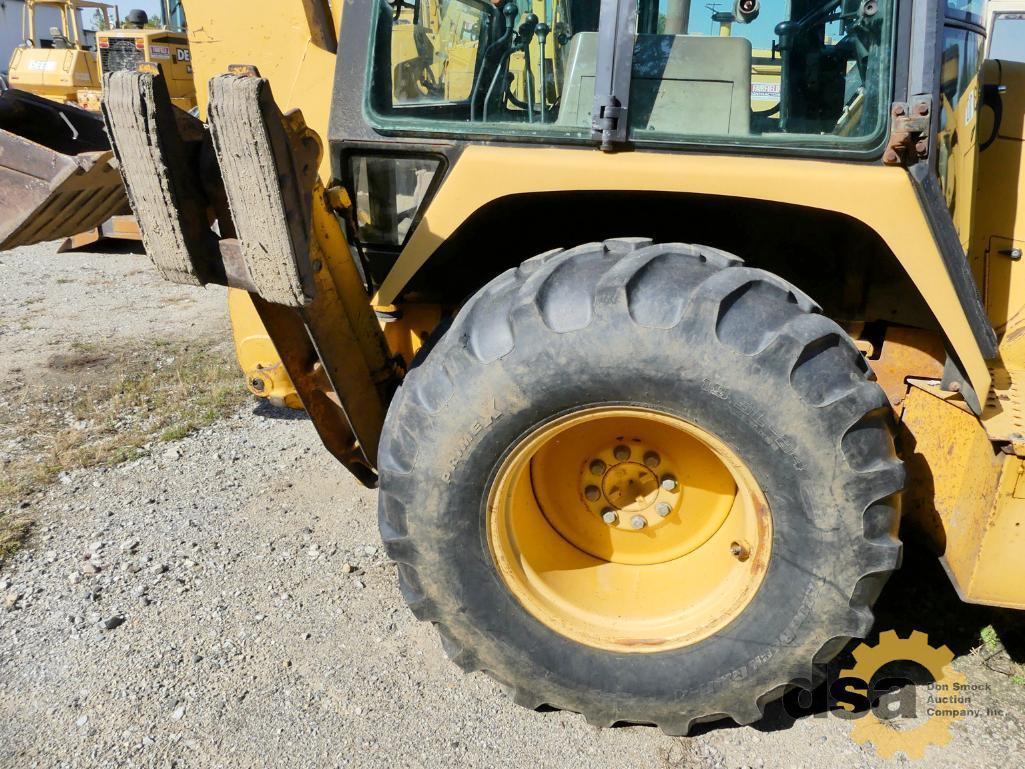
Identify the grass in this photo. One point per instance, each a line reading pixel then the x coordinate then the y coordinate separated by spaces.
pixel 101 407
pixel 993 645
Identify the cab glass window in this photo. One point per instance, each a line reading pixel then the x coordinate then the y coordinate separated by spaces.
pixel 779 72
pixel 757 72
pixel 479 66
pixel 1008 39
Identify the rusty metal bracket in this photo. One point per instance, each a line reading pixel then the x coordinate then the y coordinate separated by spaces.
pixel 292 338
pixel 910 130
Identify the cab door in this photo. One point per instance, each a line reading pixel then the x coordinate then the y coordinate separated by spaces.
pixel 957 142
pixel 999 242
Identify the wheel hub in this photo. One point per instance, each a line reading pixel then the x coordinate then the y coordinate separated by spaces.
pixel 628 529
pixel 645 496
pixel 635 493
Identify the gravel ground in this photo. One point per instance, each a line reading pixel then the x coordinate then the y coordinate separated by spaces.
pixel 225 602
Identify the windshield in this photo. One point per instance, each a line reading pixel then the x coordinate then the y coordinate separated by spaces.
pixel 784 72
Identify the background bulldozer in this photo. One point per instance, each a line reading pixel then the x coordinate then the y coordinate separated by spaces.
pixel 645 365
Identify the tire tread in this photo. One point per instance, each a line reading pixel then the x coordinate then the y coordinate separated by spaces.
pixel 635 275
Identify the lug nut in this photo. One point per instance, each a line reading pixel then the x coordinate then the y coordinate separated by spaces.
pixel 663 509
pixel 669 483
pixel 740 551
pixel 597 467
pixel 592 493
pixel 638 522
pixel 652 460
pixel 609 516
pixel 622 453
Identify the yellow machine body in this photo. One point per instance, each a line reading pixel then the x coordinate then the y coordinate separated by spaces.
pixel 966 464
pixel 973 491
pixel 967 491
pixel 265 374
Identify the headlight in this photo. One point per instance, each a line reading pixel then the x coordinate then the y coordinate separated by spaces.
pixel 390 195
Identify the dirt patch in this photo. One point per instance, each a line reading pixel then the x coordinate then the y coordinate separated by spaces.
pixel 78 361
pixel 104 406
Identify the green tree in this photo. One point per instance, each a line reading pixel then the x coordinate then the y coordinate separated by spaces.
pixel 99 21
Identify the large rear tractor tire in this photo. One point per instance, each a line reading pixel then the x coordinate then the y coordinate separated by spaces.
pixel 642 482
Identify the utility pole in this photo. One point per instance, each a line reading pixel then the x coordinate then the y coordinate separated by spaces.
pixel 677 17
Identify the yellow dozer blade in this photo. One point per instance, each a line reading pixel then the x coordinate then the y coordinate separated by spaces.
pixel 58 176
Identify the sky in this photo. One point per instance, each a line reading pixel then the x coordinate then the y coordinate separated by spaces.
pixel 1008 38
pixel 152 7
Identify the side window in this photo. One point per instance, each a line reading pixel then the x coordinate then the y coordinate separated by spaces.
pixel 485 66
pixel 434 49
pixel 771 69
pixel 1007 41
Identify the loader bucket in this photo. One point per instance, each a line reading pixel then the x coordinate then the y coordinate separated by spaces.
pixel 58 176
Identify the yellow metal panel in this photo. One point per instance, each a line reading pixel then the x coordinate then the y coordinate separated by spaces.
pixel 883 198
pixel 279 44
pixel 1005 283
pixel 407 329
pixel 54 74
pixel 176 67
pixel 961 493
pixel 999 576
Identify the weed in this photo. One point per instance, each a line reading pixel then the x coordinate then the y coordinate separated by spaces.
pixel 990 639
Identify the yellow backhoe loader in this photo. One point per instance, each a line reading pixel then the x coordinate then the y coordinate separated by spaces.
pixel 644 365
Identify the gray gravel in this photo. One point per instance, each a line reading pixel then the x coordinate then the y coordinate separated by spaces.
pixel 226 603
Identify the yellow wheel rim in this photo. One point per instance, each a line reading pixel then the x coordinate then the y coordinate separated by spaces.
pixel 628 529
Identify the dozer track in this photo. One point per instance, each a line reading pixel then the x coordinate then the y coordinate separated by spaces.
pixel 58 176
